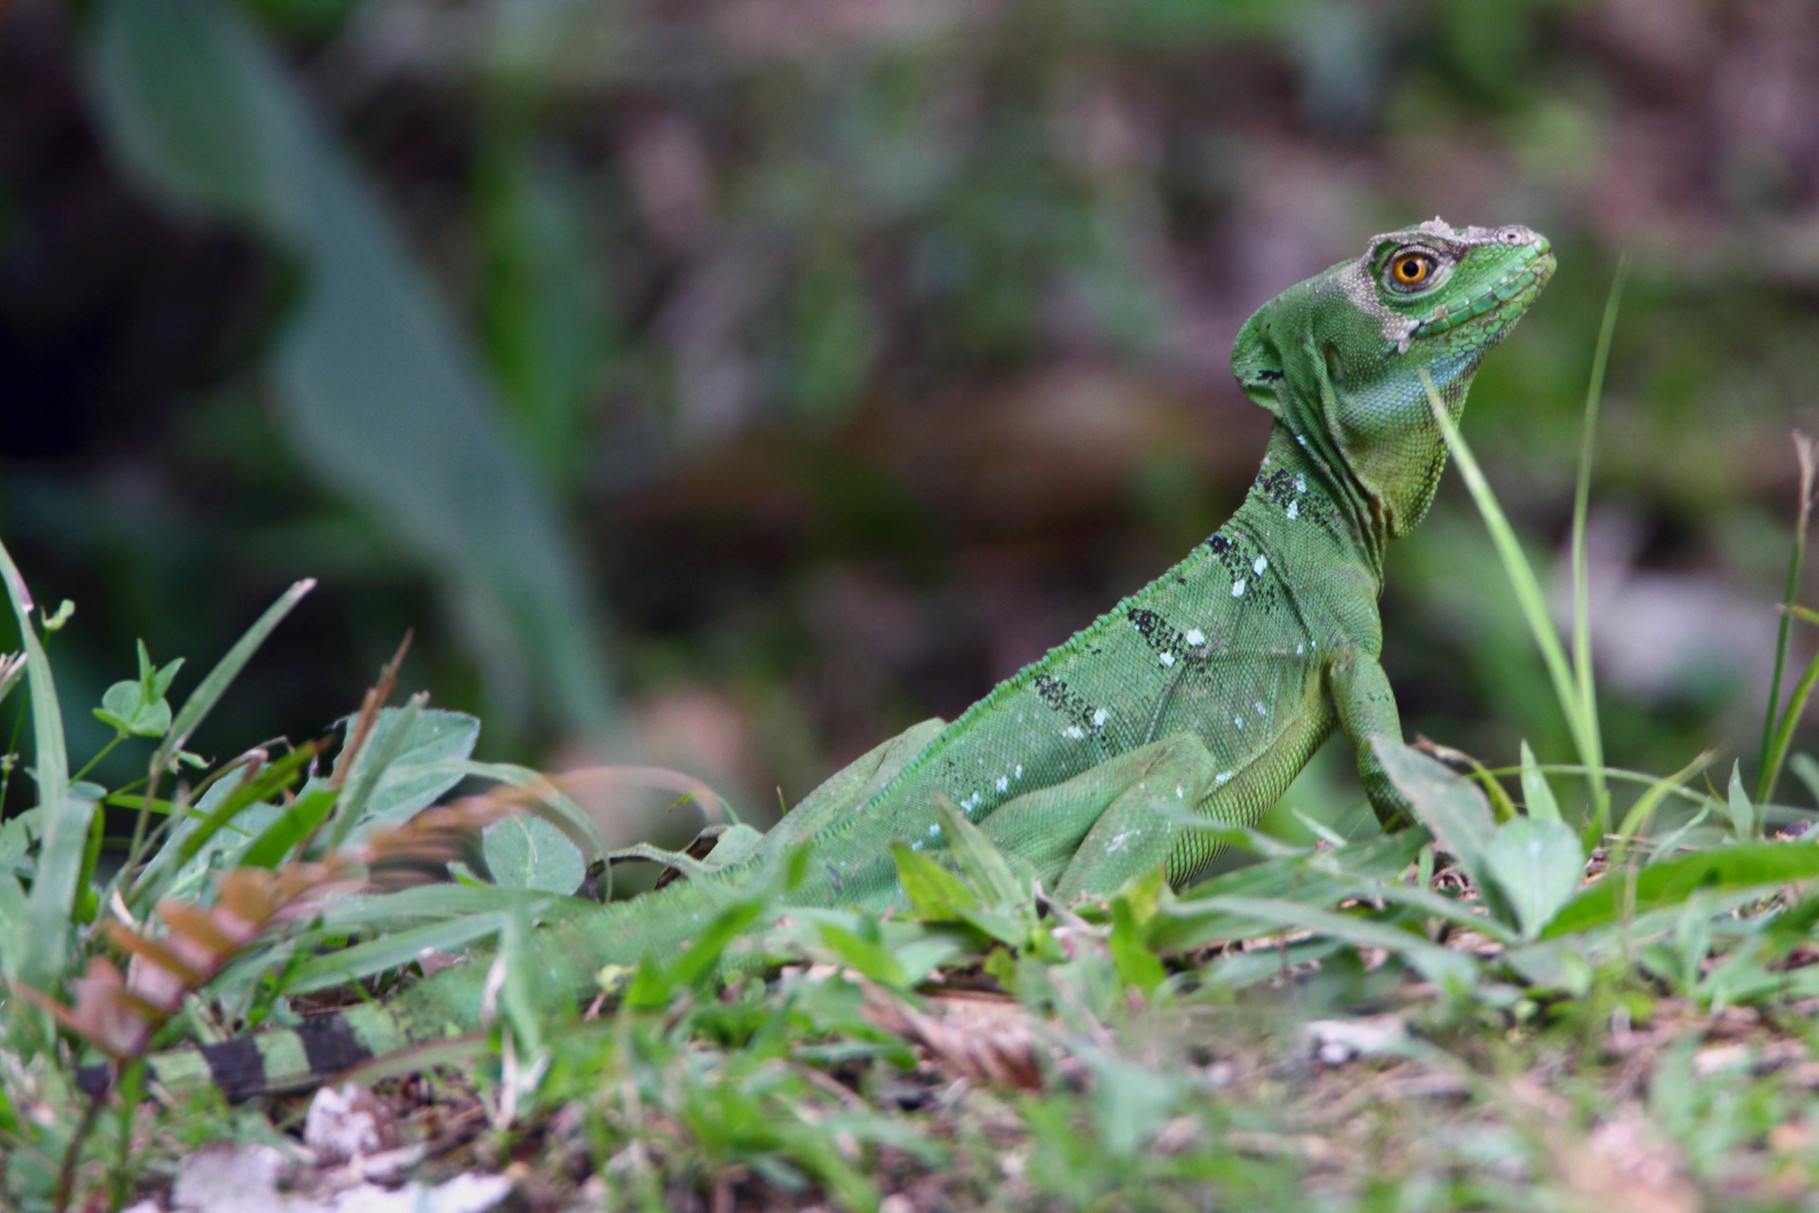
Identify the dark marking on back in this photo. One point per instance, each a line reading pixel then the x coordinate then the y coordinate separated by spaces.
pixel 1161 636
pixel 1064 699
pixel 237 1067
pixel 329 1044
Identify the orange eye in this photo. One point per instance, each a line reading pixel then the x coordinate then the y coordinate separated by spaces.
pixel 1412 270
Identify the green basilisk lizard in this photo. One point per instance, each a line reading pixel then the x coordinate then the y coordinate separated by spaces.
pixel 1205 691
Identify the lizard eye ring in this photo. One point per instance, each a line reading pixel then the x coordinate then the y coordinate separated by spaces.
pixel 1411 269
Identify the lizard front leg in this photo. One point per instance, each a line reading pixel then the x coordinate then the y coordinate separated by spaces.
pixel 1366 708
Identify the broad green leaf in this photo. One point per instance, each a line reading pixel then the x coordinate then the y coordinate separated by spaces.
pixel 1196 919
pixel 1452 809
pixel 1538 864
pixel 370 763
pixel 935 893
pixel 982 862
pixel 381 397
pixel 1552 966
pixel 573 819
pixel 1536 795
pixel 1467 914
pixel 125 709
pixel 1006 928
pixel 1725 869
pixel 917 948
pixel 1737 805
pixel 526 852
pixel 420 747
pixel 1450 970
pixel 1137 965
pixel 138 708
pixel 868 957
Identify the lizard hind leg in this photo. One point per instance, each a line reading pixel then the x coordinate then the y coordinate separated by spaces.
pixel 1107 826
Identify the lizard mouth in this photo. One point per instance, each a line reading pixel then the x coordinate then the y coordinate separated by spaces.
pixel 1512 292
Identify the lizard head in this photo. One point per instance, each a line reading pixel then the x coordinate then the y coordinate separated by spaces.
pixel 1338 358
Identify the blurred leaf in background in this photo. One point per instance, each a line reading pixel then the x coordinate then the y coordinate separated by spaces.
pixel 381 396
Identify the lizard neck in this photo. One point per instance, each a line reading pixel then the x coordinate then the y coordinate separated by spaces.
pixel 1296 466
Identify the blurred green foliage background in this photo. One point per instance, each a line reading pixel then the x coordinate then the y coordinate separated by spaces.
pixel 730 383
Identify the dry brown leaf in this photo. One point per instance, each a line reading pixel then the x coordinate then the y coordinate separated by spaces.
pixel 971 1038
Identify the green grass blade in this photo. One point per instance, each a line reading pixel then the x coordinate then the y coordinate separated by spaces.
pixel 1783 736
pixel 1778 735
pixel 1804 452
pixel 1751 865
pixel 1536 795
pixel 1582 725
pixel 1582 491
pixel 208 692
pixel 65 818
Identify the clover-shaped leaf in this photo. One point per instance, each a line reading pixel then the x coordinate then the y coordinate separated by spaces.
pixel 139 708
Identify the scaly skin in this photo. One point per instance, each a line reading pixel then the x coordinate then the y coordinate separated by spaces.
pixel 1208 689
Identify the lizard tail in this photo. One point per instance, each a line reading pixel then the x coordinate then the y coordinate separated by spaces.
pixel 280 1060
pixel 562 961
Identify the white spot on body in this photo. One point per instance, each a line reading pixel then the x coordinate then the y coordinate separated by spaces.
pixel 1301 484
pixel 1238 588
pixel 1018 773
pixel 1261 710
pixel 1300 650
pixel 1262 562
pixel 1100 717
pixel 1294 510
pixel 1222 778
pixel 1117 843
pixel 1238 723
pixel 934 831
pixel 1165 659
pixel 1195 638
pixel 1074 732
pixel 1004 783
